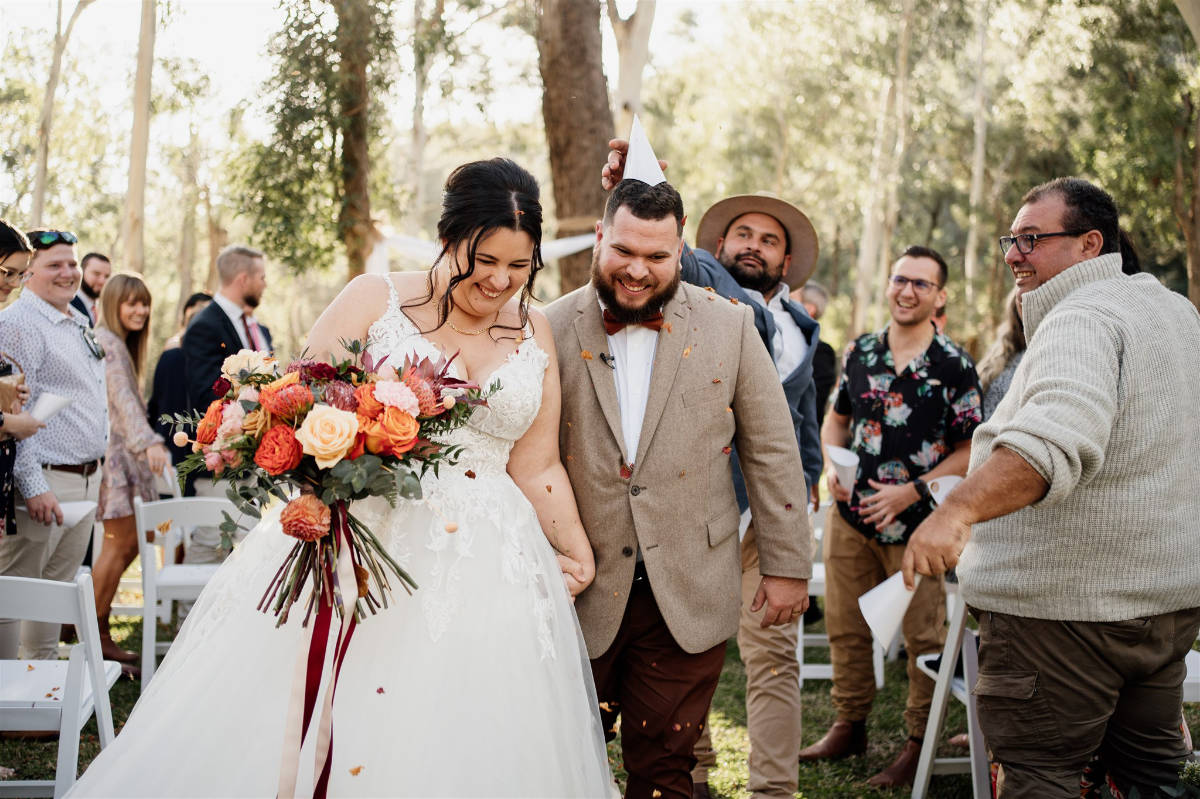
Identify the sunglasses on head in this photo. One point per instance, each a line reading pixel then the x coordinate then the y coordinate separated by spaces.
pixel 44 239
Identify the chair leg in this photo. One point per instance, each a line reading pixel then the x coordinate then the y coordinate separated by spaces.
pixel 981 774
pixel 70 722
pixel 941 696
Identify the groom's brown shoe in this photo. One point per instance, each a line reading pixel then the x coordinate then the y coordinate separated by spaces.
pixel 903 769
pixel 844 738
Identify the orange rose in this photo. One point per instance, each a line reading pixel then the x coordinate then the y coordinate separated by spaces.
pixel 306 518
pixel 368 406
pixel 393 433
pixel 279 450
pixel 360 440
pixel 206 431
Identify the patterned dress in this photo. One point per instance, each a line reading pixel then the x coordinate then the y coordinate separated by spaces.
pixel 126 473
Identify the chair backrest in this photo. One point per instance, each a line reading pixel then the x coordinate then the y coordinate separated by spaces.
pixel 31 599
pixel 181 515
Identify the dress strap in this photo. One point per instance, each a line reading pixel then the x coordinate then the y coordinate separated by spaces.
pixel 393 295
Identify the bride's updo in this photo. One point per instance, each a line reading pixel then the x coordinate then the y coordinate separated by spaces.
pixel 479 198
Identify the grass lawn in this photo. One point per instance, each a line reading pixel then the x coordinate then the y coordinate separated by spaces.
pixel 845 779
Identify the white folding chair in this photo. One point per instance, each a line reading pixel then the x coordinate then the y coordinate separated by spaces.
pixel 55 694
pixel 165 524
pixel 816 587
pixel 960 643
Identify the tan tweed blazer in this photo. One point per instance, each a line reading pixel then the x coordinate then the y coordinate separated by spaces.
pixel 713 386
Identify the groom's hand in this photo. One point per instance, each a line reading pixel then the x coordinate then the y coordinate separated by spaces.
pixel 577 576
pixel 786 599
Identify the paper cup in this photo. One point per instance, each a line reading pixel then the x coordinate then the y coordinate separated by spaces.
pixel 884 607
pixel 47 405
pixel 845 463
pixel 940 487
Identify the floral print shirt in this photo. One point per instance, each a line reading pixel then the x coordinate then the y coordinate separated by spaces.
pixel 902 425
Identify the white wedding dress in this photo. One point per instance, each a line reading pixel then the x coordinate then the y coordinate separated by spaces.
pixel 477 685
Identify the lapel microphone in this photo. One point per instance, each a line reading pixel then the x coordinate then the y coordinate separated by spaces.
pixel 608 361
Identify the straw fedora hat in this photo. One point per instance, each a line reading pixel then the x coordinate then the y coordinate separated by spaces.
pixel 801 234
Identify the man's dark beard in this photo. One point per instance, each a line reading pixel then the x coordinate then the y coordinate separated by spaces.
pixel 88 291
pixel 250 301
pixel 748 277
pixel 631 316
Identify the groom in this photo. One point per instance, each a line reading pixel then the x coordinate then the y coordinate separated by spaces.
pixel 660 381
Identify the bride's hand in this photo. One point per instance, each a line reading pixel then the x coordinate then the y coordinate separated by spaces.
pixel 577 576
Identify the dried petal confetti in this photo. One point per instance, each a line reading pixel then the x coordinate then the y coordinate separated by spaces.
pixel 605 707
pixel 733 300
pixel 716 380
pixel 787 506
pixel 726 450
pixel 656 793
pixel 677 726
pixel 667 325
pixel 684 472
pixel 451 527
pixel 354 772
pixel 379 690
pixel 549 489
pixel 709 288
pixel 687 352
pixel 29 668
pixel 728 409
pixel 586 355
pixel 626 471
pixel 470 474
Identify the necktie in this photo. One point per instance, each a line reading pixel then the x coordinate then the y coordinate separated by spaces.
pixel 252 333
pixel 613 325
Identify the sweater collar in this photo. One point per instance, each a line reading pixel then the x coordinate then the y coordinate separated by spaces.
pixel 1036 304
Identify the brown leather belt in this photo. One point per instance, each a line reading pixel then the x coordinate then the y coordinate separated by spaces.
pixel 85 469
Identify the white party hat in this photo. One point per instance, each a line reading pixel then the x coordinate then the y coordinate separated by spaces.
pixel 640 162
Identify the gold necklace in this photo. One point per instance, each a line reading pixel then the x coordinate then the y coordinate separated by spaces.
pixel 458 329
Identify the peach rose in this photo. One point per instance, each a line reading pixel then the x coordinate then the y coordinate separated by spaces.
pixel 306 518
pixel 368 406
pixel 206 431
pixel 279 450
pixel 327 434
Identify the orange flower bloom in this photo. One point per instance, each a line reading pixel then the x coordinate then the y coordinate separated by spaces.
pixel 393 433
pixel 368 406
pixel 206 431
pixel 288 401
pixel 279 450
pixel 306 518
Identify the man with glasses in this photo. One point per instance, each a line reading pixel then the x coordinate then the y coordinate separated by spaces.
pixel 54 346
pixel 1079 517
pixel 906 405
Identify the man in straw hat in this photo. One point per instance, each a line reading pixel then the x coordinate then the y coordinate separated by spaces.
pixel 750 249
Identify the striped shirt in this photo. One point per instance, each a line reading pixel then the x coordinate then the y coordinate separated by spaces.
pixel 50 348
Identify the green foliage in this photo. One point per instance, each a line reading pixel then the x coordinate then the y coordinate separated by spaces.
pixel 292 182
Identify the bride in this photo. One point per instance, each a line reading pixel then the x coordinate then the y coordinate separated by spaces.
pixel 477 685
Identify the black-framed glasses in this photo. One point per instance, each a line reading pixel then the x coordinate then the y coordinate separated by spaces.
pixel 94 346
pixel 1027 241
pixel 919 285
pixel 45 239
pixel 13 275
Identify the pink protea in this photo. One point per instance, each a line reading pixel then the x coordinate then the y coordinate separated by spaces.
pixel 428 403
pixel 340 395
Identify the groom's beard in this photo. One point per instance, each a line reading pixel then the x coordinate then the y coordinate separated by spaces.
pixel 624 313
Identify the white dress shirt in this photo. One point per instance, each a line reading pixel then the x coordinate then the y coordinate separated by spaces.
pixel 235 314
pixel 632 349
pixel 788 344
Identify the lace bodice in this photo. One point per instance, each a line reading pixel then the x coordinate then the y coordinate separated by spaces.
pixel 488 436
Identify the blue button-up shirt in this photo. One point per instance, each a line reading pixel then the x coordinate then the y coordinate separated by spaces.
pixel 50 348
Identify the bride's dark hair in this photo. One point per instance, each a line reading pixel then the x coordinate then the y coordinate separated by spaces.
pixel 479 198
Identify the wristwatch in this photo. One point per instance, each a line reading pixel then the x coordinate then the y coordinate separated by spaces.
pixel 922 489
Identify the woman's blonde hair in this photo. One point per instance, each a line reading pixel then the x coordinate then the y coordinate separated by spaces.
pixel 120 289
pixel 1010 339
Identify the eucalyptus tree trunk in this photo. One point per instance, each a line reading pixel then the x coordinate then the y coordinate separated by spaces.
pixel 1187 208
pixel 133 221
pixel 577 118
pixel 872 223
pixel 353 43
pixel 46 119
pixel 633 51
pixel 978 160
pixel 428 30
pixel 187 231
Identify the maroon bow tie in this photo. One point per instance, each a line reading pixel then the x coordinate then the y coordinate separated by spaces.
pixel 613 325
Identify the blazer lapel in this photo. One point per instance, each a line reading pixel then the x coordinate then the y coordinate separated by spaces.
pixel 667 357
pixel 594 341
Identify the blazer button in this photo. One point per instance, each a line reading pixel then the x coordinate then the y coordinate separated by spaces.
pixel 635 490
pixel 627 551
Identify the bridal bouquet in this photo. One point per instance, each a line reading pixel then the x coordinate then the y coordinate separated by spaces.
pixel 334 432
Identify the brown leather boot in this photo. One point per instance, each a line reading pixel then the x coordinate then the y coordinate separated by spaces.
pixel 108 647
pixel 903 768
pixel 844 738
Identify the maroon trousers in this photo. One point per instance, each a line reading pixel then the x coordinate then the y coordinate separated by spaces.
pixel 661 693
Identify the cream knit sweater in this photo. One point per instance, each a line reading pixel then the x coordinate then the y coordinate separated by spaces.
pixel 1106 407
